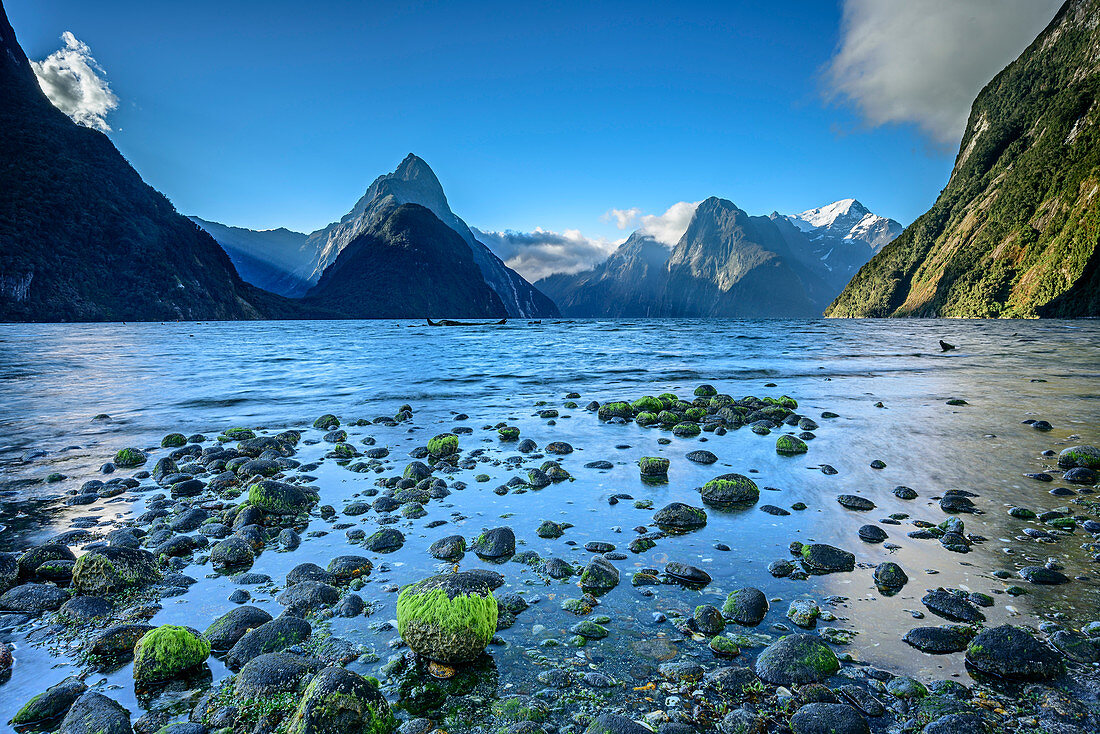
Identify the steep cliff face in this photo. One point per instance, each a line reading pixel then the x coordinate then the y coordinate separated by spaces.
pixel 733 265
pixel 82 237
pixel 727 264
pixel 406 264
pixel 1016 231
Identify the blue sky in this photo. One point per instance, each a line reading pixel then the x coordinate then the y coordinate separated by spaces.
pixel 533 115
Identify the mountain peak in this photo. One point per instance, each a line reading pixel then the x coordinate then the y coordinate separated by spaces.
pixel 825 216
pixel 414 168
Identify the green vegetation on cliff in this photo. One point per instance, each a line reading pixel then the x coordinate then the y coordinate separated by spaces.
pixel 1015 233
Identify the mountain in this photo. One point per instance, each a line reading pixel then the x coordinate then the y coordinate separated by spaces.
pixel 836 239
pixel 730 264
pixel 264 258
pixel 83 238
pixel 413 182
pixel 1015 232
pixel 406 262
pixel 629 284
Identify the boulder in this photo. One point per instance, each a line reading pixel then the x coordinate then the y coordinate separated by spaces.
pixel 796 659
pixel 94 713
pixel 448 618
pixel 338 701
pixel 113 569
pixel 168 652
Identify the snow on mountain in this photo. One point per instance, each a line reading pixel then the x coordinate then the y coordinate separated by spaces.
pixel 847 219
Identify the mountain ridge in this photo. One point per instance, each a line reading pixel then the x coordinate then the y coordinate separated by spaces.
pixel 769 263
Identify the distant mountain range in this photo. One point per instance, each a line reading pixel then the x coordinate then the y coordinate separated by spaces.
pixel 1016 231
pixel 730 264
pixel 291 263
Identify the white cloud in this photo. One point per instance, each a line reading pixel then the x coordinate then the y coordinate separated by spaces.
pixel 74 82
pixel 623 217
pixel 669 227
pixel 535 255
pixel 924 61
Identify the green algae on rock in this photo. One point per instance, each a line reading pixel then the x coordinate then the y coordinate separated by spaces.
pixel 167 652
pixel 445 444
pixel 730 490
pixel 448 618
pixel 129 457
pixel 280 498
pixel 790 445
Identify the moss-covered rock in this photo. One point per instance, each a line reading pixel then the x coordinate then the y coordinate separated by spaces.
pixel 678 516
pixel 608 411
pixel 173 440
pixel 795 660
pixel 338 701
pixel 327 422
pixel 113 569
pixel 646 419
pixel 1079 456
pixel 705 391
pixel 129 457
pixel 445 444
pixel 236 434
pixel 686 430
pixel 647 404
pixel 448 618
pixel 730 490
pixel 280 498
pixel 168 652
pixel 508 433
pixel 653 466
pixel 51 703
pixel 790 445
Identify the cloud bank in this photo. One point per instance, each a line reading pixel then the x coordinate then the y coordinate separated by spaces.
pixel 74 82
pixel 924 61
pixel 535 255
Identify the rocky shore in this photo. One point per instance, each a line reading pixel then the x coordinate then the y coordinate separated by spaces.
pixel 503 639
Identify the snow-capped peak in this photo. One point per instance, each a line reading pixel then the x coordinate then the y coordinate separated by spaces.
pixel 847 210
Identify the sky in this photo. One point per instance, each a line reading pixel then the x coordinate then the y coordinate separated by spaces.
pixel 565 123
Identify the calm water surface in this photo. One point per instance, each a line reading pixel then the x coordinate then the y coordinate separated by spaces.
pixel 152 379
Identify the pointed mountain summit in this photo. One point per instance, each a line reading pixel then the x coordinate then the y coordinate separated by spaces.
pixel 1015 231
pixel 82 237
pixel 412 182
pixel 406 263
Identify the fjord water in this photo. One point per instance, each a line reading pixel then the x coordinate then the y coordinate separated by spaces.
pixel 152 379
